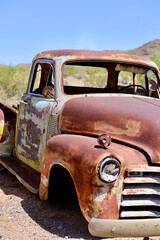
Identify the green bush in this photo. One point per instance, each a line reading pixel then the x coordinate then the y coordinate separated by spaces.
pixel 156 58
pixel 13 82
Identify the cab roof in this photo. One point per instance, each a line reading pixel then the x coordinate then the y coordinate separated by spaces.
pixel 109 56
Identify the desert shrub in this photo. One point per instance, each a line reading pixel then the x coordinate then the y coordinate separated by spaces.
pixel 156 58
pixel 13 82
pixel 90 76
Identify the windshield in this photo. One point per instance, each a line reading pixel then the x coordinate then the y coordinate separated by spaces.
pixel 103 77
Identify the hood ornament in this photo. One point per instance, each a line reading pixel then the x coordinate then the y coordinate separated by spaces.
pixel 104 140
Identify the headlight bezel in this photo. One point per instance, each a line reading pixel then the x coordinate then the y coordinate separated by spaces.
pixel 109 177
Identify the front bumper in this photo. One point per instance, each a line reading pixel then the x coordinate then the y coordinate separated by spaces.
pixel 124 228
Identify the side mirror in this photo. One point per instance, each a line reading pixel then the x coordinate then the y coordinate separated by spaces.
pixel 48 92
pixel 149 73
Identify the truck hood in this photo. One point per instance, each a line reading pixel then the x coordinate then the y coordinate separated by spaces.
pixel 129 119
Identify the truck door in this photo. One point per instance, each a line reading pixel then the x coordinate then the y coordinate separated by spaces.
pixel 34 115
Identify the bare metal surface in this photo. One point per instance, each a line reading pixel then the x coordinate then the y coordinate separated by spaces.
pixel 124 228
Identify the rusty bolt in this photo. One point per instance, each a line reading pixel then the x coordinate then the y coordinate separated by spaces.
pixel 104 140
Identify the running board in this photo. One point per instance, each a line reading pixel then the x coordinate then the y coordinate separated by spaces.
pixel 26 175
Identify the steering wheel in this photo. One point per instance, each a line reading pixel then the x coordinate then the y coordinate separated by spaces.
pixel 134 85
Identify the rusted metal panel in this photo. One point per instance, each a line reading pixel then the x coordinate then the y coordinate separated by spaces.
pixel 97 55
pixel 143 180
pixel 140 196
pixel 126 119
pixel 133 203
pixel 7 106
pixel 32 130
pixel 142 191
pixel 142 170
pixel 80 156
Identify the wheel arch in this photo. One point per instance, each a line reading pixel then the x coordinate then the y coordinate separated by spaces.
pixel 80 156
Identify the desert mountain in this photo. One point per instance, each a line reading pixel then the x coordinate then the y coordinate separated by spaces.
pixel 24 65
pixel 146 49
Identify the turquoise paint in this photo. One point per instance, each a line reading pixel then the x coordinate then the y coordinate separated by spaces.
pixel 40 103
pixel 63 58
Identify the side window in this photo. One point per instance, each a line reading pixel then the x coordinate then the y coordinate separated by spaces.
pixel 43 76
pixel 37 78
pixel 140 79
pixel 137 80
pixel 125 78
pixel 128 78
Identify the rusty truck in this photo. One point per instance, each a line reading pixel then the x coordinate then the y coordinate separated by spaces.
pixel 91 117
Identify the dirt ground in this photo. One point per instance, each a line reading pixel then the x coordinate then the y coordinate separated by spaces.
pixel 24 216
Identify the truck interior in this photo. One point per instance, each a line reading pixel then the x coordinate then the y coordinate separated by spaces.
pixel 103 77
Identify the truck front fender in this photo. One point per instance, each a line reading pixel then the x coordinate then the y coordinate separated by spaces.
pixel 80 156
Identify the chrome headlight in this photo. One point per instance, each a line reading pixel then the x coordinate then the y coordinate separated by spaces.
pixel 109 169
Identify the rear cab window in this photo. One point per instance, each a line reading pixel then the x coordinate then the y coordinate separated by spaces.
pixel 80 78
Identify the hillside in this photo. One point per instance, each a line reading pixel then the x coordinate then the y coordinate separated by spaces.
pixel 146 49
pixel 24 65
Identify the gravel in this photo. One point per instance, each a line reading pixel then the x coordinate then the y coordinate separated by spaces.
pixel 24 216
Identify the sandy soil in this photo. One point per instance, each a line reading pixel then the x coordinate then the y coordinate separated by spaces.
pixel 24 216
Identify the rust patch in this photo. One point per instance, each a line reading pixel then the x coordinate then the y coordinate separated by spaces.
pixel 80 156
pixel 97 55
pixel 124 118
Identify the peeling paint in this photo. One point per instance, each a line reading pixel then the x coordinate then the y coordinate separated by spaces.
pixel 100 197
pixel 44 180
pixel 32 131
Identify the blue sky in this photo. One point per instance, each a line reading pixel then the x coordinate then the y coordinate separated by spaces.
pixel 31 26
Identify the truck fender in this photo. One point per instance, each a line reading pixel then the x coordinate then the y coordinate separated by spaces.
pixel 80 156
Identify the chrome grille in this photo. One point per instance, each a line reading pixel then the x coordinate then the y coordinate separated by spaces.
pixel 141 194
pixel 52 124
